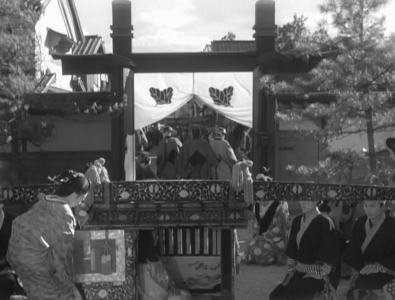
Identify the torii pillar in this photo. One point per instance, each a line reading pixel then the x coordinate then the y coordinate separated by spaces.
pixel 122 45
pixel 264 107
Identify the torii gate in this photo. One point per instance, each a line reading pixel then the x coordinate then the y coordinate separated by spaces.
pixel 133 206
pixel 265 60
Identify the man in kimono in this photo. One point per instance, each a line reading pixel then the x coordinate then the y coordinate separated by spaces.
pixel 225 154
pixel 104 173
pixel 371 253
pixel 168 149
pixel 196 159
pixel 8 281
pixel 313 257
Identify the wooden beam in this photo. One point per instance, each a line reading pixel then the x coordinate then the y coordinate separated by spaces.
pixel 92 63
pixel 66 103
pixel 194 62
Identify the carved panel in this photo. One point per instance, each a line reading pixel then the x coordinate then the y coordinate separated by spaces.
pixel 25 194
pixel 169 191
pixel 113 216
pixel 207 191
pixel 184 217
pixel 305 191
pixel 99 193
pixel 116 290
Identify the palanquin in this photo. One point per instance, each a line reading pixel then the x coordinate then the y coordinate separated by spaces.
pixel 195 221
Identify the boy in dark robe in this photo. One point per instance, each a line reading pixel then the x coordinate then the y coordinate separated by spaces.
pixel 8 281
pixel 371 254
pixel 196 159
pixel 143 167
pixel 313 257
pixel 168 149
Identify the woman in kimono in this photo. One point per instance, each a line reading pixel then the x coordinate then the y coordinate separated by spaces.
pixel 155 283
pixel 196 159
pixel 225 154
pixel 371 253
pixel 269 234
pixel 313 257
pixel 42 241
pixel 168 149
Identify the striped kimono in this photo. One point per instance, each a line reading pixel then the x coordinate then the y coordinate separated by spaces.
pixel 40 250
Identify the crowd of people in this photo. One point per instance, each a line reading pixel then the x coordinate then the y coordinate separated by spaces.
pixel 197 156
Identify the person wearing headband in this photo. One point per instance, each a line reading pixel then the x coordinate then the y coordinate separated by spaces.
pixel 42 241
pixel 371 254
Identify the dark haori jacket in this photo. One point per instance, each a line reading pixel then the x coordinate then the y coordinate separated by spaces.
pixel 379 248
pixel 319 245
pixel 5 234
pixel 196 160
pixel 168 149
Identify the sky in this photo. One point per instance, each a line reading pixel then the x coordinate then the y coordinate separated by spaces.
pixel 188 25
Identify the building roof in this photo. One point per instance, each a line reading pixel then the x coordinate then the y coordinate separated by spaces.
pixel 233 46
pixel 93 44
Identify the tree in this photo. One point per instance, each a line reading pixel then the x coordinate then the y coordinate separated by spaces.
pixel 361 75
pixel 229 37
pixel 18 66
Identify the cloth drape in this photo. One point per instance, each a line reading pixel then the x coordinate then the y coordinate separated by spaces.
pixel 147 109
pixel 234 91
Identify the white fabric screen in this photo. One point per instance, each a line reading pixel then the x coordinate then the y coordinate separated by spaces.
pixel 184 87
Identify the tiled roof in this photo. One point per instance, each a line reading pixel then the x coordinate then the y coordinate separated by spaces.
pixel 233 46
pixel 93 44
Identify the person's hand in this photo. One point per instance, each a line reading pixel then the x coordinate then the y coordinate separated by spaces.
pixel 288 278
pixel 370 269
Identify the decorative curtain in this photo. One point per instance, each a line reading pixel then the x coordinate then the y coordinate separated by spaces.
pixel 156 96
pixel 159 95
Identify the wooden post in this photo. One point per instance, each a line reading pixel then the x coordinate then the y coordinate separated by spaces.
pixel 263 111
pixel 122 45
pixel 227 262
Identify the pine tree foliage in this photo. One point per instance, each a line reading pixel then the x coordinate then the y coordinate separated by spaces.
pixel 361 74
pixel 18 63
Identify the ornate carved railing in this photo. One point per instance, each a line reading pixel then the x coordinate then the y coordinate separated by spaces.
pixel 117 193
pixel 210 203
